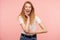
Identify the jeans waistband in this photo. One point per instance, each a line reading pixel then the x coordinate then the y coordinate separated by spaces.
pixel 28 35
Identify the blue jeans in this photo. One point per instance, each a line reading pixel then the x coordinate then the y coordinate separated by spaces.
pixel 27 37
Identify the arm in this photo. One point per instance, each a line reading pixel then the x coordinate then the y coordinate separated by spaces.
pixel 43 28
pixel 25 27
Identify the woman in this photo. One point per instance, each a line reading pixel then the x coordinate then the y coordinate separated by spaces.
pixel 28 20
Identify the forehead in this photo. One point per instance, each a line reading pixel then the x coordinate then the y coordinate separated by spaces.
pixel 27 4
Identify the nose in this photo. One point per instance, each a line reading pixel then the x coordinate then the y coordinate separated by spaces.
pixel 28 8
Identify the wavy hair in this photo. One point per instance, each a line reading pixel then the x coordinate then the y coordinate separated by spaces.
pixel 32 14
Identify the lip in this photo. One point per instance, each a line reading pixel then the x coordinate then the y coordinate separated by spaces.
pixel 27 11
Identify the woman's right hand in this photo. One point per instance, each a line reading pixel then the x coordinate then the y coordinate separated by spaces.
pixel 27 23
pixel 28 19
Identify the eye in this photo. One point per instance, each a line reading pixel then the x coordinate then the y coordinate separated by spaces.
pixel 25 6
pixel 29 7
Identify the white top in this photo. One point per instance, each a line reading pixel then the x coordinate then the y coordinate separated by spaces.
pixel 32 27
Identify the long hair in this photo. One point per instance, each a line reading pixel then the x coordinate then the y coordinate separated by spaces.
pixel 32 15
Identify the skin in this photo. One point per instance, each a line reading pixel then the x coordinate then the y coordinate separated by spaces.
pixel 27 11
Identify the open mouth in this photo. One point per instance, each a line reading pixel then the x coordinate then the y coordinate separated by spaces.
pixel 27 11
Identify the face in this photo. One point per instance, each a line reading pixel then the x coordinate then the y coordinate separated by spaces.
pixel 27 8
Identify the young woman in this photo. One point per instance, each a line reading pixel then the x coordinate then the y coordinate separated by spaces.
pixel 28 20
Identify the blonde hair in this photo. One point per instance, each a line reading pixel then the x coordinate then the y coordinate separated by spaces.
pixel 32 15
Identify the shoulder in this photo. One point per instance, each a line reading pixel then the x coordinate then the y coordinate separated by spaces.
pixel 37 17
pixel 20 18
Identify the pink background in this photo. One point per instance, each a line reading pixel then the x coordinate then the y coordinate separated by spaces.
pixel 47 10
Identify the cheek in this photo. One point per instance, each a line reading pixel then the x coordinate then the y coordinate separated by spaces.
pixel 30 9
pixel 25 8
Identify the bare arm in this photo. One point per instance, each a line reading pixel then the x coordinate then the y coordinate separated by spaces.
pixel 43 29
pixel 25 27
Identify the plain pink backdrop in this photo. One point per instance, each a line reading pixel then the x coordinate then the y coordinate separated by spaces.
pixel 47 10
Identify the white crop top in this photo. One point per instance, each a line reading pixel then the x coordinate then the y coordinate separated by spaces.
pixel 32 27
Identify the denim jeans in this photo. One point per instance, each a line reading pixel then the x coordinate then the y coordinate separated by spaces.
pixel 28 38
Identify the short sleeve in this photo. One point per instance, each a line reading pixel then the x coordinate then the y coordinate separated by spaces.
pixel 20 20
pixel 38 20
